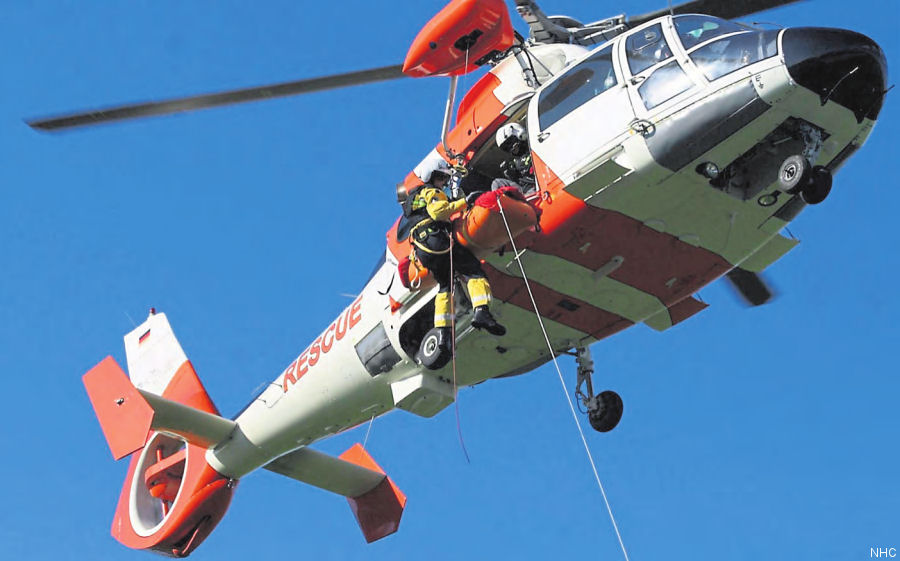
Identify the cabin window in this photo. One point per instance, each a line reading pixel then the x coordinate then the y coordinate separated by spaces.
pixel 376 353
pixel 577 86
pixel 694 30
pixel 645 48
pixel 663 84
pixel 734 52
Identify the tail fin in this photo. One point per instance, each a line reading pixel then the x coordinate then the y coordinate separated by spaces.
pixel 171 499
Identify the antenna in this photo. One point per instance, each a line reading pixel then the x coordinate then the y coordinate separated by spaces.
pixel 671 11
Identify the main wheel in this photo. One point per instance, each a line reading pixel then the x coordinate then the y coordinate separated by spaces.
pixel 818 187
pixel 794 174
pixel 608 412
pixel 434 352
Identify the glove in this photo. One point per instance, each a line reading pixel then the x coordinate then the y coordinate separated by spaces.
pixel 509 170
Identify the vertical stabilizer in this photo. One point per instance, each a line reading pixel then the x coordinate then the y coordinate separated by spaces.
pixel 154 354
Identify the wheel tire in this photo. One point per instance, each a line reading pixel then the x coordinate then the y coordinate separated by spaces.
pixel 434 352
pixel 794 174
pixel 608 415
pixel 818 187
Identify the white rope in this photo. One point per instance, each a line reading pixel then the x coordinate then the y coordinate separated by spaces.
pixel 563 382
pixel 368 430
pixel 462 443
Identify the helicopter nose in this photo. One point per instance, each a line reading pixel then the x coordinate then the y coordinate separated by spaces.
pixel 839 65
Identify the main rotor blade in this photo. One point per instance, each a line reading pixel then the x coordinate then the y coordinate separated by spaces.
pixel 728 9
pixel 180 105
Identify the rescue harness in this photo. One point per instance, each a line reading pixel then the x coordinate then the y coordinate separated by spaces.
pixel 414 209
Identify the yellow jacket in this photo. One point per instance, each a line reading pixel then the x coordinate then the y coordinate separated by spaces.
pixel 436 203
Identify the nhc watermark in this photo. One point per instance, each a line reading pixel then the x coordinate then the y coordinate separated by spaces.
pixel 882 552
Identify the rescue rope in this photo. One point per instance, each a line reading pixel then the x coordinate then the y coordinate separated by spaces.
pixel 462 442
pixel 368 430
pixel 562 381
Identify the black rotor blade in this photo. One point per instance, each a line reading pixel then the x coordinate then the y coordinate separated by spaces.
pixel 728 9
pixel 750 286
pixel 179 105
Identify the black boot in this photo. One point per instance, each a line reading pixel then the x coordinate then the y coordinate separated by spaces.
pixel 484 320
pixel 445 338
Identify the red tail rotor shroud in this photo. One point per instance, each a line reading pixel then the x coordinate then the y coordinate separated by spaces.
pixel 201 497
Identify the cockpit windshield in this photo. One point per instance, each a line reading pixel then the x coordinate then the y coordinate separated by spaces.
pixel 693 30
pixel 724 56
pixel 719 47
pixel 646 48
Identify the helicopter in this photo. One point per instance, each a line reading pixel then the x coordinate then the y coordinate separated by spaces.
pixel 674 175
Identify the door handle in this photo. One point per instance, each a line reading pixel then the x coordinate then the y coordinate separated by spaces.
pixel 543 136
pixel 635 80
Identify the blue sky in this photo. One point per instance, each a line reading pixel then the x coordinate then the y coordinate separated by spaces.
pixel 769 433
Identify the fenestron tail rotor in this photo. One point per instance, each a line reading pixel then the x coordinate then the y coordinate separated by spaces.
pixel 193 103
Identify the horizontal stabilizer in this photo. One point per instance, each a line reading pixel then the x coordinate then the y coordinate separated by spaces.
pixel 127 414
pixel 327 472
pixel 375 500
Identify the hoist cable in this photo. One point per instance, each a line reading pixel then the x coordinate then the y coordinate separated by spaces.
pixel 462 442
pixel 562 381
pixel 368 430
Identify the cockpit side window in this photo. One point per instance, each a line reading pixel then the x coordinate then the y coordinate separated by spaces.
pixel 733 52
pixel 646 48
pixel 693 30
pixel 576 87
pixel 666 82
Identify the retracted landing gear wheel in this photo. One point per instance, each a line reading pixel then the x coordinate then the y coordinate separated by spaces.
pixel 817 188
pixel 605 411
pixel 794 174
pixel 434 352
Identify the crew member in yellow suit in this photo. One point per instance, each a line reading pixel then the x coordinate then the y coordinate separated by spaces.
pixel 429 208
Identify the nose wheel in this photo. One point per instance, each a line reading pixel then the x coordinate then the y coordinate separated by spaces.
pixel 604 410
pixel 796 175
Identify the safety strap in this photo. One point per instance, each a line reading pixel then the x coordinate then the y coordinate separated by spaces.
pixel 415 232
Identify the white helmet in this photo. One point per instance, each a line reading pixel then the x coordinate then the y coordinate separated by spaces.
pixel 509 134
pixel 432 163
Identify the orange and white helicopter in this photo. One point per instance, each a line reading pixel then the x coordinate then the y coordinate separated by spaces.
pixel 667 151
